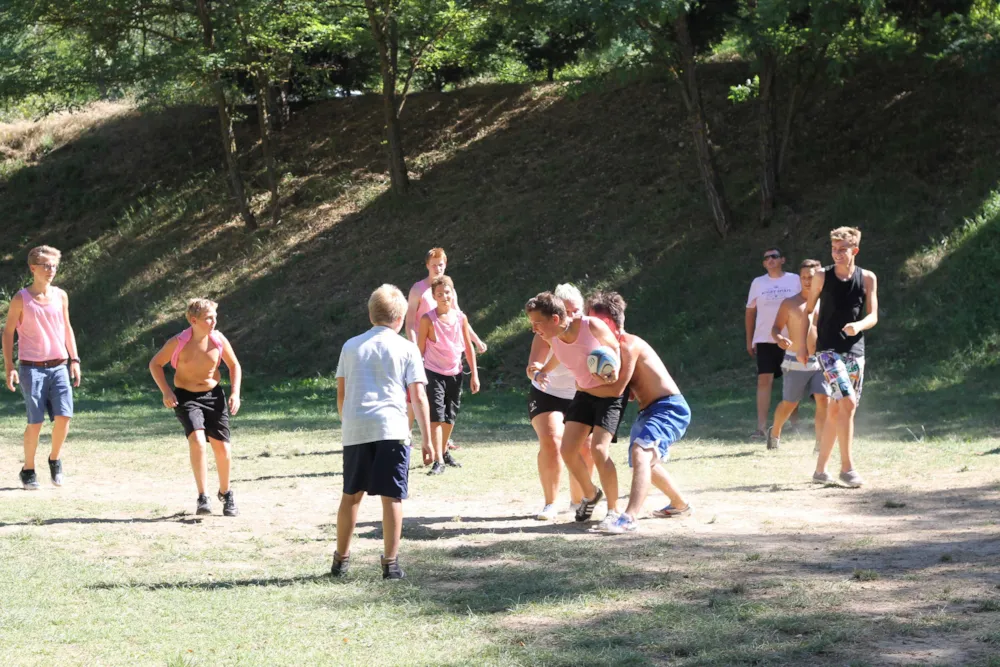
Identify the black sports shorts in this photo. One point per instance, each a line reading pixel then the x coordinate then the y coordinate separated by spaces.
pixel 203 411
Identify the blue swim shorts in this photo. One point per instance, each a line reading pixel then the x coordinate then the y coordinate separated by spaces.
pixel 659 425
pixel 46 390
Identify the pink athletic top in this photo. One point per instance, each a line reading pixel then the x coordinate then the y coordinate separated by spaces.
pixel 427 302
pixel 574 355
pixel 184 337
pixel 444 355
pixel 42 330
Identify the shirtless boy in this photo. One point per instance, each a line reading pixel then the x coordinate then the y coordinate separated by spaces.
pixel 197 397
pixel 848 306
pixel 663 417
pixel 797 378
pixel 572 341
pixel 48 361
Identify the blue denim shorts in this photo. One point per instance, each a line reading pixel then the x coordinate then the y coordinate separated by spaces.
pixel 46 390
pixel 659 425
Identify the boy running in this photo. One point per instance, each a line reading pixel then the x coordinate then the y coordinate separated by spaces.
pixel 572 341
pixel 198 399
pixel 443 335
pixel 48 360
pixel 663 417
pixel 798 379
pixel 376 371
pixel 844 290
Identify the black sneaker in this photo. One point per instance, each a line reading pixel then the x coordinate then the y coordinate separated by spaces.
pixel 341 564
pixel 229 507
pixel 391 569
pixel 203 506
pixel 449 460
pixel 436 469
pixel 586 508
pixel 55 469
pixel 29 480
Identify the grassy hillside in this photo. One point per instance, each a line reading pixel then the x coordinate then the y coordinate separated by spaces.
pixel 526 187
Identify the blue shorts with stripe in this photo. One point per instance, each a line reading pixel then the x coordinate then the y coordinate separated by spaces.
pixel 659 425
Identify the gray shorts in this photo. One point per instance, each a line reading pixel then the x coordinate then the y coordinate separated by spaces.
pixel 796 385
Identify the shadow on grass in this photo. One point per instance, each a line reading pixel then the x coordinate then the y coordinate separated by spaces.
pixel 274 582
pixel 295 476
pixel 180 517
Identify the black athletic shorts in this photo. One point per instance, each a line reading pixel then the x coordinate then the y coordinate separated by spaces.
pixel 595 411
pixel 539 403
pixel 203 411
pixel 444 393
pixel 769 358
pixel 379 468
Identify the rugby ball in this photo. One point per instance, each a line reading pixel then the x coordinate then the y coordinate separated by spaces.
pixel 603 361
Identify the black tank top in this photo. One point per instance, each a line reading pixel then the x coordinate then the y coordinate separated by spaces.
pixel 841 302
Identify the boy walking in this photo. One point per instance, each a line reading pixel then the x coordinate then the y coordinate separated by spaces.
pixel 48 360
pixel 443 335
pixel 198 399
pixel 798 379
pixel 844 290
pixel 376 371
pixel 663 417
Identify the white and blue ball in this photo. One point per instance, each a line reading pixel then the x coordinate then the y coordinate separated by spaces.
pixel 603 361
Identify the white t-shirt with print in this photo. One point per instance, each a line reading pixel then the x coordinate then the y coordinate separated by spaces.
pixel 766 295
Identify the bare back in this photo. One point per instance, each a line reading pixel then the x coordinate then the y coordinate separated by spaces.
pixel 650 380
pixel 198 365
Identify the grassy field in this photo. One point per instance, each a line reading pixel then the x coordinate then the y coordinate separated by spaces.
pixel 114 569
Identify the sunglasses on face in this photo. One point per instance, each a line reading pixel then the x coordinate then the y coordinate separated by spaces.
pixel 771 256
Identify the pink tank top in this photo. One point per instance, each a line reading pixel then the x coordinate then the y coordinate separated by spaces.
pixel 574 355
pixel 184 337
pixel 42 331
pixel 427 302
pixel 444 355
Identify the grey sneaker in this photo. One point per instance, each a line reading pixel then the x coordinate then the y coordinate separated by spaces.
pixel 772 442
pixel 609 520
pixel 822 477
pixel 204 507
pixel 29 480
pixel 55 469
pixel 229 507
pixel 391 569
pixel 851 479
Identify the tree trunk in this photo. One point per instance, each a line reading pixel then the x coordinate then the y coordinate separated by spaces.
pixel 794 99
pixel 226 125
pixel 698 124
pixel 551 73
pixel 767 136
pixel 263 85
pixel 386 41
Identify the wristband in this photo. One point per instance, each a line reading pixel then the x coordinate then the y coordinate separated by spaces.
pixel 74 360
pixel 535 376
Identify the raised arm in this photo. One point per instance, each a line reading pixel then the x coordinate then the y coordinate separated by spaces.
pixel 871 300
pixel 10 327
pixel 74 353
pixel 470 355
pixel 235 376
pixel 819 278
pixel 156 364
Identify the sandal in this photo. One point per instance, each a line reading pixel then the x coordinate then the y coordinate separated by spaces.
pixel 671 511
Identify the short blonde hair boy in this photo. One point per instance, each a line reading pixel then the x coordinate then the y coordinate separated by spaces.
pixel 386 306
pixel 197 308
pixel 851 235
pixel 35 254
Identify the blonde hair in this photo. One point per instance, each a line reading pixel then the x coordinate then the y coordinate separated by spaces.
pixel 198 307
pixel 36 254
pixel 386 305
pixel 569 294
pixel 441 280
pixel 435 253
pixel 850 234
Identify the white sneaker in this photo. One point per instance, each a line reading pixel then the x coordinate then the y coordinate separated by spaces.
pixel 624 524
pixel 548 513
pixel 604 526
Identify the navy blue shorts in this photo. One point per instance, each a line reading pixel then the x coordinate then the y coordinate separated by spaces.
pixel 379 468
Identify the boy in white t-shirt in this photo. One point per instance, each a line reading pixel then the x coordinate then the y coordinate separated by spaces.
pixel 766 294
